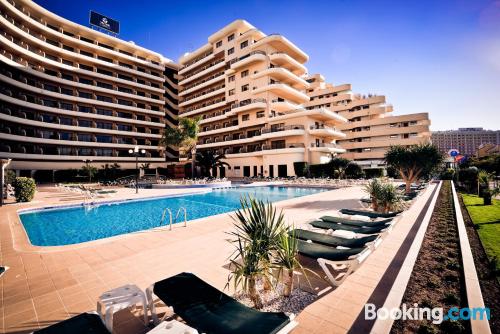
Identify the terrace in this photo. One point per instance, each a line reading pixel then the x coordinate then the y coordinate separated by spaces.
pixel 48 284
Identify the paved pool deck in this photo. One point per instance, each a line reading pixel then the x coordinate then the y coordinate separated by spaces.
pixel 48 284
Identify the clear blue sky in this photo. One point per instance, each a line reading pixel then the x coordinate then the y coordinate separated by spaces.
pixel 441 57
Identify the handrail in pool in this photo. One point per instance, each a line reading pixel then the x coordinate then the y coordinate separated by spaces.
pixel 185 215
pixel 163 217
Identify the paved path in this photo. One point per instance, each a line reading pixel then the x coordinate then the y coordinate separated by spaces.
pixel 48 284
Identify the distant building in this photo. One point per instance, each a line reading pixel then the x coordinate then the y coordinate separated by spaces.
pixel 465 140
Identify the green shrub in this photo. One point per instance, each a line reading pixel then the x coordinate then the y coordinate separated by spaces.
pixel 448 174
pixel 10 176
pixel 301 168
pixel 354 171
pixel 371 173
pixel 24 189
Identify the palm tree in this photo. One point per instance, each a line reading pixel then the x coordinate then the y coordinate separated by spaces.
pixel 208 161
pixel 184 137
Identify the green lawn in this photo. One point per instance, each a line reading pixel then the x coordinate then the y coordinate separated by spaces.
pixel 488 220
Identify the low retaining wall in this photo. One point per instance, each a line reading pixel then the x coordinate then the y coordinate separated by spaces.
pixel 201 185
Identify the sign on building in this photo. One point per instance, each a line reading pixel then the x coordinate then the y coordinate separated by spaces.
pixel 104 22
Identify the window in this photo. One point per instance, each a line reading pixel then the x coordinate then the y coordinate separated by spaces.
pixel 64 136
pixel 105 72
pixel 85 53
pixel 245 117
pixel 86 67
pixel 104 112
pixel 231 78
pixel 66 91
pixel 260 114
pixel 50 103
pixel 231 92
pixel 218 44
pixel 85 123
pixel 65 121
pixel 84 109
pixel 66 106
pixel 104 152
pixel 230 37
pixel 84 137
pixel 123 127
pixel 104 98
pixel 50 88
pixel 244 73
pixel 230 51
pixel 85 81
pixel 104 85
pixel 85 95
pixel 104 139
pixel 109 60
pixel 244 88
pixel 125 102
pixel 103 125
pixel 243 44
pixel 125 90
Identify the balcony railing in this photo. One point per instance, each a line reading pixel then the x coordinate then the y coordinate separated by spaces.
pixel 282 128
pixel 330 145
pixel 206 54
pixel 282 147
pixel 201 69
pixel 208 91
pixel 247 102
pixel 258 52
pixel 204 80
pixel 322 126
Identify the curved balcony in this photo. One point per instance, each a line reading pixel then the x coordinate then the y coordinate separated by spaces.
pixel 203 109
pixel 283 90
pixel 73 113
pixel 252 57
pixel 207 82
pixel 282 74
pixel 284 60
pixel 321 114
pixel 203 71
pixel 281 43
pixel 326 148
pixel 42 44
pixel 73 40
pixel 326 131
pixel 281 105
pixel 248 105
pixel 72 98
pixel 197 62
pixel 32 55
pixel 204 95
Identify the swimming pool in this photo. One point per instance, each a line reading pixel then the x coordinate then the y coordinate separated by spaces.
pixel 72 225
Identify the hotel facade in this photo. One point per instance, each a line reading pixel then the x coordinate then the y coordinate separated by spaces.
pixel 249 91
pixel 70 94
pixel 370 128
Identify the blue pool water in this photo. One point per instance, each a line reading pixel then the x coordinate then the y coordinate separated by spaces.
pixel 73 225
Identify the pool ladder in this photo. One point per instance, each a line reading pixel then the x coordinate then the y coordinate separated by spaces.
pixel 176 216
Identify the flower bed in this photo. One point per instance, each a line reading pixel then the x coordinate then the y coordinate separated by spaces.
pixel 437 277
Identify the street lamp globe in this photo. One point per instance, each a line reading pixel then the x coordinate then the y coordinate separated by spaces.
pixel 130 151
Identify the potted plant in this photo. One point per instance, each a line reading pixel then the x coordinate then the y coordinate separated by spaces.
pixel 388 197
pixel 246 268
pixel 374 188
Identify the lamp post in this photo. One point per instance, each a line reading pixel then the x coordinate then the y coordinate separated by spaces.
pixel 136 153
pixel 87 166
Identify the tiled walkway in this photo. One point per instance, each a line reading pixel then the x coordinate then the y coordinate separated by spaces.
pixel 49 284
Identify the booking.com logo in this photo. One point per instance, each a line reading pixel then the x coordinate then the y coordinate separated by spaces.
pixel 436 314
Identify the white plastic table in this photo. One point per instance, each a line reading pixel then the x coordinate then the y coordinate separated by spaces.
pixel 173 327
pixel 118 299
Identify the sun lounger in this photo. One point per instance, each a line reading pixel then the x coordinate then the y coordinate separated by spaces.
pixel 334 241
pixel 81 324
pixel 356 229
pixel 370 214
pixel 347 259
pixel 210 311
pixel 339 220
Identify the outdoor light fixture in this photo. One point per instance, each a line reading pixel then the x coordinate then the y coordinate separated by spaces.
pixel 136 152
